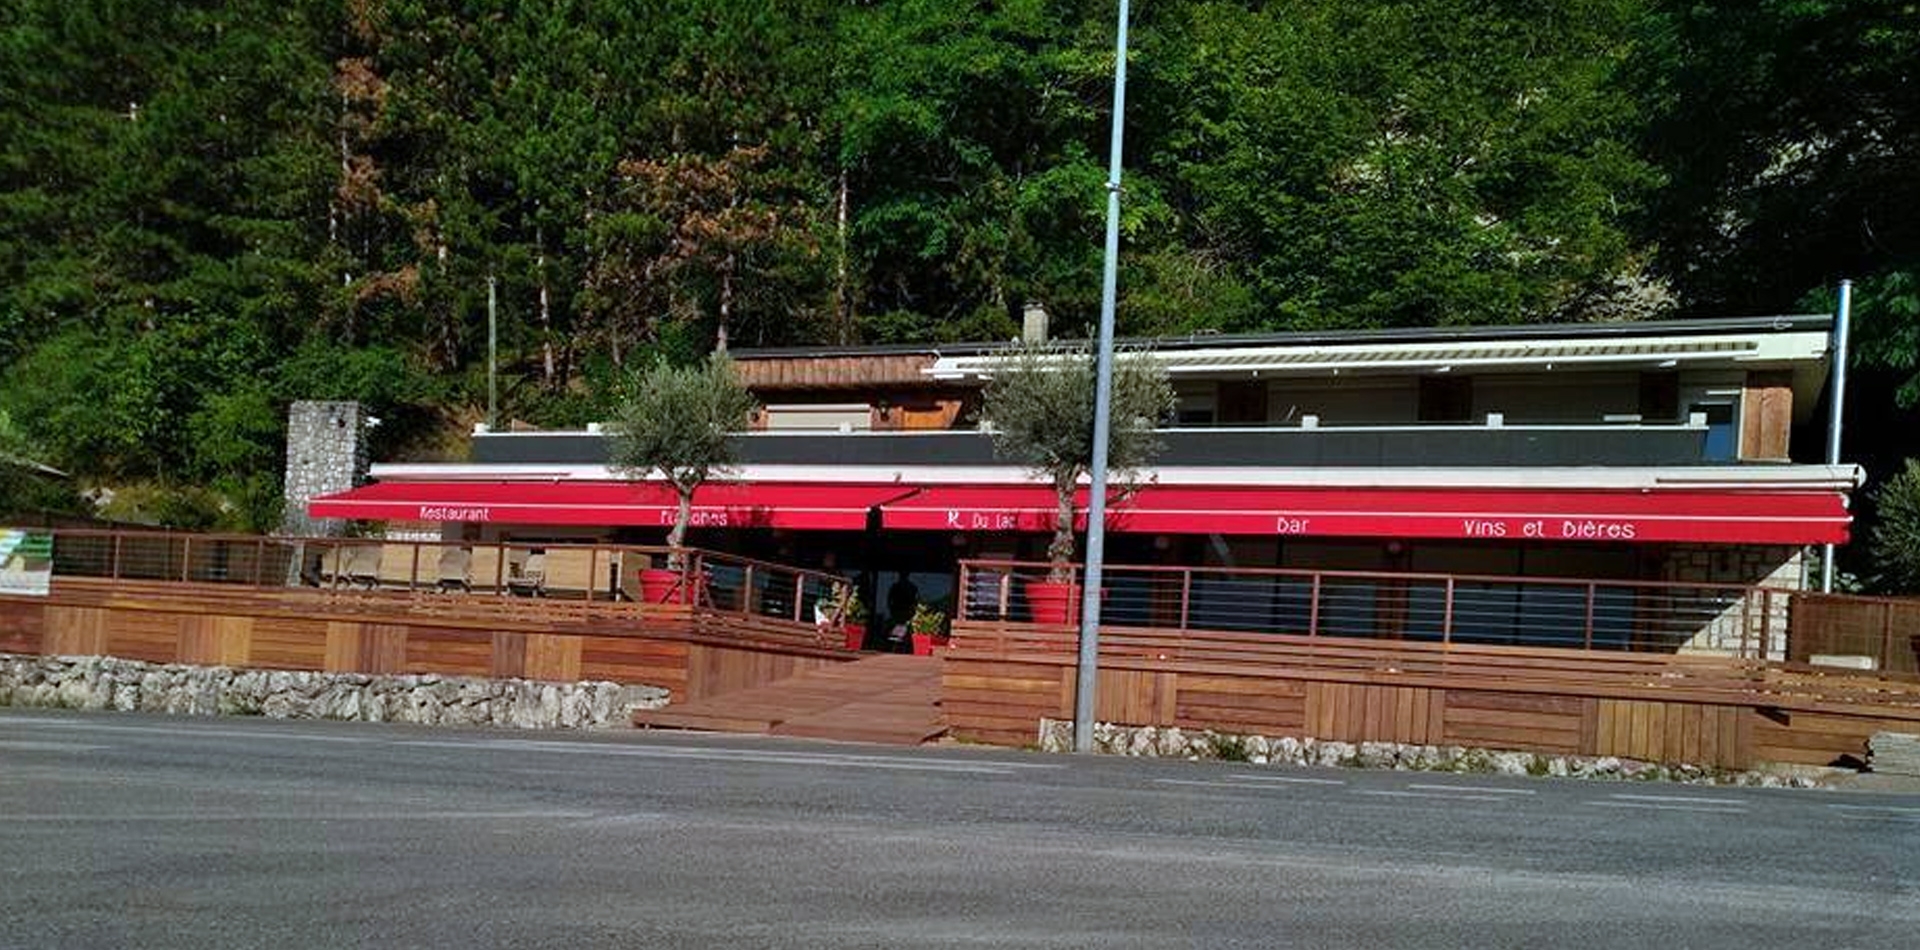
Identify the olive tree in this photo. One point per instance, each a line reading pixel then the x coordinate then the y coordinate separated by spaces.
pixel 1896 538
pixel 1040 403
pixel 676 420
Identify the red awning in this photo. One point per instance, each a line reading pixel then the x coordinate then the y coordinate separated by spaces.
pixel 1720 516
pixel 715 505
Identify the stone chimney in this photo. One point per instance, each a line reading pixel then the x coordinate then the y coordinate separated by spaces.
pixel 1033 322
pixel 326 453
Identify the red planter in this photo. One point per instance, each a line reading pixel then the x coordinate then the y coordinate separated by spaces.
pixel 1053 602
pixel 659 586
pixel 856 635
pixel 922 644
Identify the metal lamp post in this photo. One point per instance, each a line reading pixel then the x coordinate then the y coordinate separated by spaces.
pixel 1086 685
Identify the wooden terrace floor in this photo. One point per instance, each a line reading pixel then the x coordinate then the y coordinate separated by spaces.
pixel 885 698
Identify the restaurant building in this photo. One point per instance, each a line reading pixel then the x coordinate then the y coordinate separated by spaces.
pixel 1645 451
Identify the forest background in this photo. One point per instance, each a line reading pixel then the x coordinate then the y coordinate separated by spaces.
pixel 210 209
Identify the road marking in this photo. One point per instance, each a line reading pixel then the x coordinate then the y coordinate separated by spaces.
pixel 738 756
pixel 1242 786
pixel 278 817
pixel 28 745
pixel 1475 788
pixel 1451 798
pixel 1902 819
pixel 193 732
pixel 1288 779
pixel 1889 808
pixel 1683 799
pixel 1653 806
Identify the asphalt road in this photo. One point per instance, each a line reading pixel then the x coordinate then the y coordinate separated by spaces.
pixel 129 831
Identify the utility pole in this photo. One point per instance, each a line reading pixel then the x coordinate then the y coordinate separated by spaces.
pixel 1843 315
pixel 1086 685
pixel 493 358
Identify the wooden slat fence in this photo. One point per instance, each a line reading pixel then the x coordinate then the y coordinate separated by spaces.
pixel 1702 707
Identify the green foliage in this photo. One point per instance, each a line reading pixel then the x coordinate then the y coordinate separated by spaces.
pixel 677 420
pixel 1896 538
pixel 1040 402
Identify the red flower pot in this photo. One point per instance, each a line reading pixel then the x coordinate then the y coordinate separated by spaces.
pixel 1053 602
pixel 660 586
pixel 856 635
pixel 922 644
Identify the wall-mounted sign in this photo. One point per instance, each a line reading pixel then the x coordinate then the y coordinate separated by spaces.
pixel 26 562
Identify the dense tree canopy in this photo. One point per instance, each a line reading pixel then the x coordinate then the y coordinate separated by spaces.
pixel 207 210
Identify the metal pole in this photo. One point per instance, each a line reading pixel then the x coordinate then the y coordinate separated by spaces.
pixel 1087 683
pixel 1842 316
pixel 493 353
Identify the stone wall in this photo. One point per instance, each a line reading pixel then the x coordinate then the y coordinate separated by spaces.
pixel 1056 735
pixel 326 453
pixel 97 682
pixel 1777 567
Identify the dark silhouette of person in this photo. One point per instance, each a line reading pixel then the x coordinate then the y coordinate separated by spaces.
pixel 902 598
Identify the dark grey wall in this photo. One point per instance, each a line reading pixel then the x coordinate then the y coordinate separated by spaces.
pixel 1274 448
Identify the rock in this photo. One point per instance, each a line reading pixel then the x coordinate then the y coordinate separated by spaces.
pixel 1510 763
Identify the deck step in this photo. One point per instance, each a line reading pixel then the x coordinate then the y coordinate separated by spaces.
pixel 887 698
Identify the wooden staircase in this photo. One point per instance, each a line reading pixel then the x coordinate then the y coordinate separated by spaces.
pixel 886 698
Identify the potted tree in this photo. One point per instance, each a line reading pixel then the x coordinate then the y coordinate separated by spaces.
pixel 677 420
pixel 927 629
pixel 1040 403
pixel 853 622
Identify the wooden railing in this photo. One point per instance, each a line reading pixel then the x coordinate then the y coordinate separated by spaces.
pixel 577 582
pixel 1604 615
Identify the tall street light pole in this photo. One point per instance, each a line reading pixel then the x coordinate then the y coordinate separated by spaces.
pixel 1086 684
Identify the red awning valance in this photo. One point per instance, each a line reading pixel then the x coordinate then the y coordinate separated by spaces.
pixel 1719 516
pixel 1724 516
pixel 715 505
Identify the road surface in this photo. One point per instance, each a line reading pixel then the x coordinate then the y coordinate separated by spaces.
pixel 134 831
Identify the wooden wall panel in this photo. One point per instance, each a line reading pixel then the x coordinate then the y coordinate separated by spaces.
pixel 1813 738
pixel 1241 704
pixel 366 647
pixel 142 635
pixel 1003 702
pixel 1534 722
pixel 23 626
pixel 284 643
pixel 636 660
pixel 448 651
pixel 713 670
pixel 1673 733
pixel 1136 697
pixel 75 631
pixel 1767 411
pixel 214 640
pixel 552 657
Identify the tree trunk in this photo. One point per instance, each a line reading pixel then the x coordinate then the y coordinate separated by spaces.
pixel 683 516
pixel 1060 551
pixel 842 303
pixel 546 310
pixel 726 303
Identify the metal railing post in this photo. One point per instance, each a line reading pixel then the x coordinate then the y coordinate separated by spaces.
pixel 799 595
pixel 186 558
pixel 413 580
pixel 1446 618
pixel 259 561
pixel 115 573
pixel 1592 590
pixel 1886 635
pixel 1313 607
pixel 1186 598
pixel 746 591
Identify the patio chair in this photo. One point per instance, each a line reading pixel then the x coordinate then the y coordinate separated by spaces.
pixel 363 566
pixel 452 573
pixel 530 580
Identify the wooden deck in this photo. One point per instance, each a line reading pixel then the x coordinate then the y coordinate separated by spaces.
pixel 885 698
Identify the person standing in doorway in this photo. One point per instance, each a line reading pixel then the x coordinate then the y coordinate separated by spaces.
pixel 902 598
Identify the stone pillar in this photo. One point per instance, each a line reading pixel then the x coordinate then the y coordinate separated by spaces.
pixel 326 453
pixel 1754 621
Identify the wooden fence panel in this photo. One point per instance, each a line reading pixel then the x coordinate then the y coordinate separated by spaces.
pixel 153 637
pixel 661 663
pixel 285 643
pixel 23 626
pixel 76 631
